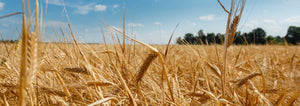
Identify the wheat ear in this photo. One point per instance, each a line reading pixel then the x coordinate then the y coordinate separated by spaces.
pixel 162 62
pixel 23 75
pixel 29 53
pixel 142 72
pixel 144 67
pixel 230 34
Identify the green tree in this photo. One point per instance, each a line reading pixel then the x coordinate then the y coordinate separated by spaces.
pixel 293 35
pixel 257 36
pixel 270 39
pixel 274 40
pixel 219 38
pixel 260 35
pixel 179 41
pixel 279 40
pixel 201 36
pixel 210 38
pixel 190 38
pixel 201 33
pixel 238 38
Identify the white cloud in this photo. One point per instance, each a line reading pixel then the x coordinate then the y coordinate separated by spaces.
pixel 269 21
pixel 1 5
pixel 157 23
pixel 115 6
pixel 55 2
pixel 135 25
pixel 252 24
pixel 272 26
pixel 54 23
pixel 115 9
pixel 194 24
pixel 292 20
pixel 156 37
pixel 83 9
pixel 100 7
pixel 80 9
pixel 207 18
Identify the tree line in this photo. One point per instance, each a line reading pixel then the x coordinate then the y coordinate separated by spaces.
pixel 8 41
pixel 256 36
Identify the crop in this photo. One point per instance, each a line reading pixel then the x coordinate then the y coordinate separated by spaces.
pixel 38 73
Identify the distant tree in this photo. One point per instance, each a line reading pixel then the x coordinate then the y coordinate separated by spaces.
pixel 190 38
pixel 279 40
pixel 179 41
pixel 201 33
pixel 8 41
pixel 210 38
pixel 246 38
pixel 274 40
pixel 257 36
pixel 260 35
pixel 238 38
pixel 219 38
pixel 293 35
pixel 201 36
pixel 198 40
pixel 270 39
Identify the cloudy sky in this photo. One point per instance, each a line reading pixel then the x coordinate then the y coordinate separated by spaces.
pixel 152 21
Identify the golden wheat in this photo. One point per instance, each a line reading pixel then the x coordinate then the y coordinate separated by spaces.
pixel 94 74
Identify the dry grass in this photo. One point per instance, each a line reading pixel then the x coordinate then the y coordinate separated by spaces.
pixel 121 74
pixel 191 73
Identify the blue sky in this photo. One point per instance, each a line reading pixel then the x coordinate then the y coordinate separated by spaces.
pixel 152 21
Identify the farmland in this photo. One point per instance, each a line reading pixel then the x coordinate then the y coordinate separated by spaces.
pixel 68 74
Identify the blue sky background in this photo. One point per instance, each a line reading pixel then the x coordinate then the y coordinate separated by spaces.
pixel 152 20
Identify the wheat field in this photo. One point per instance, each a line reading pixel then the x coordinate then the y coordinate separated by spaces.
pixel 134 73
pixel 257 75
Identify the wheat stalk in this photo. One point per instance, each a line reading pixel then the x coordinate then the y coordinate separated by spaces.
pixel 103 101
pixel 293 99
pixel 192 75
pixel 81 70
pixel 142 72
pixel 98 83
pixel 260 95
pixel 235 13
pixel 23 76
pixel 214 69
pixel 9 85
pixel 29 53
pixel 245 79
pixel 164 73
pixel 53 91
